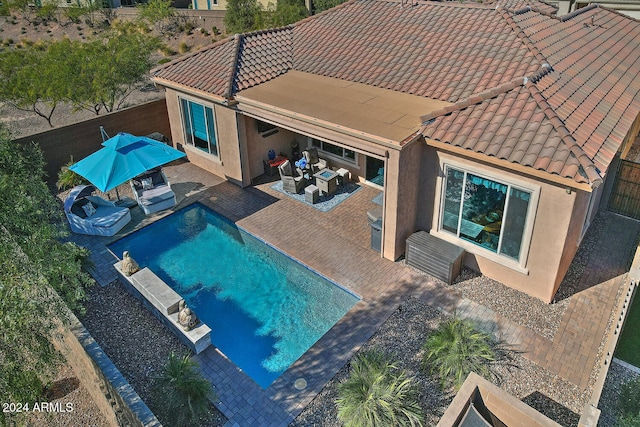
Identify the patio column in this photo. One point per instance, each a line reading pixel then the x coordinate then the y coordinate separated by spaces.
pixel 402 173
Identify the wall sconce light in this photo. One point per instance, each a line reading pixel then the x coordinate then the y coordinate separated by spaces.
pixel 568 190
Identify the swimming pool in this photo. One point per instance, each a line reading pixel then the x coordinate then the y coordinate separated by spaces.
pixel 264 309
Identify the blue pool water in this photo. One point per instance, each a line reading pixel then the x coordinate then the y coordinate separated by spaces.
pixel 264 309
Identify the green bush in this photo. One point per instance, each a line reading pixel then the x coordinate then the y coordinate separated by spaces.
pixel 629 403
pixel 377 393
pixel 455 349
pixel 68 178
pixel 183 391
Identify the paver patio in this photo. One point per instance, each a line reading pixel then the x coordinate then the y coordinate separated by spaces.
pixel 336 244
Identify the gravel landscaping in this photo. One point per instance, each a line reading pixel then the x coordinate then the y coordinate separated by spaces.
pixel 523 309
pixel 139 345
pixel 402 337
pixel 135 341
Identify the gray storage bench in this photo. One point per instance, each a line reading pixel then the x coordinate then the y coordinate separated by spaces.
pixel 434 256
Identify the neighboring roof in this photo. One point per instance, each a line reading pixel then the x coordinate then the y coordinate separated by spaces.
pixel 381 114
pixel 482 58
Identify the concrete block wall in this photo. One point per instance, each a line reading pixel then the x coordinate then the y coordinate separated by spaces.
pixel 81 139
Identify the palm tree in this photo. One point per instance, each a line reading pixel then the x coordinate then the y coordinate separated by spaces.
pixel 455 349
pixel 378 394
pixel 183 391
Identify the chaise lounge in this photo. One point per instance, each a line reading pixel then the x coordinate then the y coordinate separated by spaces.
pixel 153 191
pixel 93 215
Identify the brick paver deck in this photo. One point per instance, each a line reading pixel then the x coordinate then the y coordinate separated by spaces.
pixel 336 244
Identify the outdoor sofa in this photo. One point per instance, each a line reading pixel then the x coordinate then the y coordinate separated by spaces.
pixel 93 215
pixel 153 191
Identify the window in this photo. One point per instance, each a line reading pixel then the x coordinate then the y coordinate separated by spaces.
pixel 344 153
pixel 199 126
pixel 485 212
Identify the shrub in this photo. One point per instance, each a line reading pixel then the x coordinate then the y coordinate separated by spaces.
pixel 455 349
pixel 164 61
pixel 68 178
pixel 183 391
pixel 629 403
pixel 183 47
pixel 378 394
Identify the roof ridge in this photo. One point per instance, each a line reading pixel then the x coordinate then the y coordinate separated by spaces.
pixel 228 92
pixel 473 100
pixel 508 17
pixel 584 160
pixel 527 8
pixel 577 12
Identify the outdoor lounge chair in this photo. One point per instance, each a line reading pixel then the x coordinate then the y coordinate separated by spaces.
pixel 315 163
pixel 153 191
pixel 292 182
pixel 94 215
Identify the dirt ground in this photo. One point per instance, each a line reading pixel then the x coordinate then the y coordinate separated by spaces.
pixel 16 32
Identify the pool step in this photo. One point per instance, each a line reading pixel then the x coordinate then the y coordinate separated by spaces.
pixel 163 302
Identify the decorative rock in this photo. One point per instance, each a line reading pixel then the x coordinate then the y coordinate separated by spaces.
pixel 187 319
pixel 129 265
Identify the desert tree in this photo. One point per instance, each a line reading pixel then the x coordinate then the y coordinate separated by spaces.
pixel 242 15
pixel 157 13
pixel 35 78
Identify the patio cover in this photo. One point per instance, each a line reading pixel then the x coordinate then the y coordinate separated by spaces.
pixel 123 157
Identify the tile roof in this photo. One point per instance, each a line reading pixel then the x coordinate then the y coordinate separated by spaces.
pixel 209 69
pixel 595 84
pixel 444 51
pixel 473 55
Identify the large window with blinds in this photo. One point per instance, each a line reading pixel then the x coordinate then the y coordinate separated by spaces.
pixel 199 126
pixel 486 212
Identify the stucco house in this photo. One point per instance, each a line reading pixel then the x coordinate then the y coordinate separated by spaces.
pixel 492 126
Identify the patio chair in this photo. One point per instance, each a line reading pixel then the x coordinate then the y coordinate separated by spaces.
pixel 315 163
pixel 153 191
pixel 292 181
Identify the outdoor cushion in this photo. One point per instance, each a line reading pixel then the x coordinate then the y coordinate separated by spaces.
pixel 107 216
pixel 156 194
pixel 89 209
pixel 147 183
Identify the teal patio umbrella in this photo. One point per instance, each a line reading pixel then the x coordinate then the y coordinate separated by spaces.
pixel 123 157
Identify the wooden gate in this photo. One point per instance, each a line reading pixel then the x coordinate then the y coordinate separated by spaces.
pixel 625 196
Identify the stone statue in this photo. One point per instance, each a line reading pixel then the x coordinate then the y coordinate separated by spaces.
pixel 129 265
pixel 187 319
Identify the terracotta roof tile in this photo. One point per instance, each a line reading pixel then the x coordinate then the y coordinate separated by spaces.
pixel 570 117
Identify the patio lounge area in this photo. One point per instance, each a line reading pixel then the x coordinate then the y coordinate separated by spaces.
pixel 336 244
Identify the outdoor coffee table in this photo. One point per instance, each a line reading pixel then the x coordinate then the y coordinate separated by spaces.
pixel 326 181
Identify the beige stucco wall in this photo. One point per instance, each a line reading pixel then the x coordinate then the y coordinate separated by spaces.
pixel 228 164
pixel 554 238
pixel 258 145
pixel 402 194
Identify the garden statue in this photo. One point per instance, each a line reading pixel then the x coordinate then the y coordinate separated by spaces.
pixel 186 317
pixel 129 265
